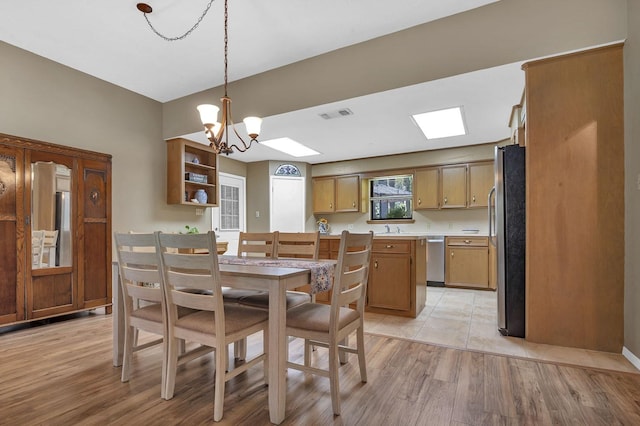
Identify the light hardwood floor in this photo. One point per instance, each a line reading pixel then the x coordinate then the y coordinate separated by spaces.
pixel 467 319
pixel 62 374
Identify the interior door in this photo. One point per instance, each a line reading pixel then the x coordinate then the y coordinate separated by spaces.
pixel 287 204
pixel 230 217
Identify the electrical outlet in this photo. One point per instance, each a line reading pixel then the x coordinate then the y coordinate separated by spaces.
pixel 257 213
pixel 350 227
pixel 199 212
pixel 450 225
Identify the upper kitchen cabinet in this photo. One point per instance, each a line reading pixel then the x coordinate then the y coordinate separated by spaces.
pixel 347 194
pixel 192 169
pixel 575 199
pixel 426 186
pixel 481 180
pixel 336 194
pixel 454 186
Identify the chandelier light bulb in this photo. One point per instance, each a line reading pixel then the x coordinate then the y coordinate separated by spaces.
pixel 252 125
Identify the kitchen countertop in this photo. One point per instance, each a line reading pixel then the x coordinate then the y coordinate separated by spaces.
pixel 411 235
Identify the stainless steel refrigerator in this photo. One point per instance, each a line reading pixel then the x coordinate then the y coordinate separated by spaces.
pixel 507 231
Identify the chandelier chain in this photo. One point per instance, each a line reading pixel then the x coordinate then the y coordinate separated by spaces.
pixel 226 43
pixel 185 35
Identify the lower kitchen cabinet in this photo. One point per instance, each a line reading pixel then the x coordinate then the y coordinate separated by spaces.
pixel 397 274
pixel 467 262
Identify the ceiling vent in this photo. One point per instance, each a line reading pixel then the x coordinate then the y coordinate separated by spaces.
pixel 335 114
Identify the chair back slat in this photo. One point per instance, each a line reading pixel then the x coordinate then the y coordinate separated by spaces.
pixel 352 273
pixel 298 245
pixel 190 280
pixel 138 266
pixel 257 244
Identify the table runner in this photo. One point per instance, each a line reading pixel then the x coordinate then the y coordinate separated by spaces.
pixel 321 272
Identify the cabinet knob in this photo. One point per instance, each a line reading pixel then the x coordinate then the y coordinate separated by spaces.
pixel 330 205
pixel 375 264
pixel 473 199
pixel 467 241
pixel 419 201
pixel 452 254
pixel 389 246
pixel 445 200
pixel 354 204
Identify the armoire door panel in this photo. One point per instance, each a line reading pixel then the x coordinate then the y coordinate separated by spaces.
pixel 52 291
pixel 95 272
pixel 12 262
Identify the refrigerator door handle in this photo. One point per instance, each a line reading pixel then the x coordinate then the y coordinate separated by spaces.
pixel 489 208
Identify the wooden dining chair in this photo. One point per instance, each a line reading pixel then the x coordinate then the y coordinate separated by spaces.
pixel 140 278
pixel 330 325
pixel 304 245
pixel 215 324
pixel 257 244
pixel 37 248
pixel 299 245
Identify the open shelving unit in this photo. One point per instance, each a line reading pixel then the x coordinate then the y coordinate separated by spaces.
pixel 191 166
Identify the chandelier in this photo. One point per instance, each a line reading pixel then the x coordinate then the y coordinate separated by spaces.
pixel 218 131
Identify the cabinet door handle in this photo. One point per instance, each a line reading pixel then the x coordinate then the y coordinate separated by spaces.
pixel 330 205
pixel 473 199
pixel 419 201
pixel 389 246
pixel 451 253
pixel 375 264
pixel 354 204
pixel 445 200
pixel 467 241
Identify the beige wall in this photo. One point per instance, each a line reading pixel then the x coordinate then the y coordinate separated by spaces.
pixel 43 100
pixel 632 174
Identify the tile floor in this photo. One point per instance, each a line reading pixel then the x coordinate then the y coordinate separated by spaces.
pixel 467 319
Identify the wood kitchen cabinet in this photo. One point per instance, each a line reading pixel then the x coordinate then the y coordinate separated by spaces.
pixel 65 193
pixel 481 180
pixel 426 187
pixel 397 277
pixel 191 166
pixel 336 194
pixel 454 186
pixel 575 199
pixel 467 262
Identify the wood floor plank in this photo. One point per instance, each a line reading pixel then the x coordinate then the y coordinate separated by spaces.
pixel 62 374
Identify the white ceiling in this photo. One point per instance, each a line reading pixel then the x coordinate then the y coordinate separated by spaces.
pixel 112 41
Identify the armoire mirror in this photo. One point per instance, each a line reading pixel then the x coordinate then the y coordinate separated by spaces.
pixel 51 242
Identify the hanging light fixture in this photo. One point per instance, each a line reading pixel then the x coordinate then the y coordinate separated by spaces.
pixel 218 131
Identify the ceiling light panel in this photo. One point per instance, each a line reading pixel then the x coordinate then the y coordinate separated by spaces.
pixel 289 146
pixel 443 123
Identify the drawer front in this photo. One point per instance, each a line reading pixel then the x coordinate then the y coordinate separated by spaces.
pixel 391 246
pixel 468 241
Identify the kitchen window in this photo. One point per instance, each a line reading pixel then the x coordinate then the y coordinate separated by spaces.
pixel 391 198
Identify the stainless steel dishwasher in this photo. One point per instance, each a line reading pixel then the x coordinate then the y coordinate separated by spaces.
pixel 435 260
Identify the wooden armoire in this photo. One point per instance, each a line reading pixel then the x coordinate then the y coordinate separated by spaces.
pixel 64 194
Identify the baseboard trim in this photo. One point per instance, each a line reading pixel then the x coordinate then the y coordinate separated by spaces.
pixel 631 357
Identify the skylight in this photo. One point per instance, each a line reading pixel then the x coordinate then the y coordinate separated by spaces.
pixel 289 146
pixel 443 123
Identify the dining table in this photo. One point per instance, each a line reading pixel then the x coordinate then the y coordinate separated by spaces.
pixel 275 276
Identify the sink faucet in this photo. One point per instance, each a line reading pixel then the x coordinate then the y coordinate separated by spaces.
pixel 387 228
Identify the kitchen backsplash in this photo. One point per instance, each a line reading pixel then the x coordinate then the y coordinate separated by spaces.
pixel 445 222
